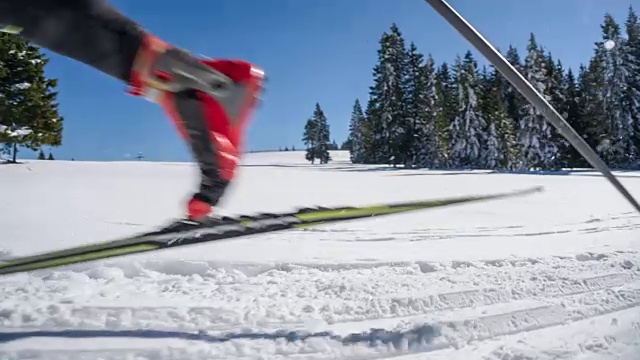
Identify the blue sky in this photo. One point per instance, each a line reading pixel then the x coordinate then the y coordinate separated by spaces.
pixel 312 50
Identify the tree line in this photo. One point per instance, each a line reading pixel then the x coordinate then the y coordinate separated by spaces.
pixel 460 115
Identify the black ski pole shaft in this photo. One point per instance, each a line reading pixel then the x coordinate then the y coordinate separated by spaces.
pixel 528 91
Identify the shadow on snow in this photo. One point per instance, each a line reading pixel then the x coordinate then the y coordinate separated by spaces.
pixel 418 336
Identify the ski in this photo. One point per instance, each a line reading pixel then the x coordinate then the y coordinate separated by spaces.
pixel 186 232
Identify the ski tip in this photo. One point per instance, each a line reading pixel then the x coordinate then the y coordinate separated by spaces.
pixel 535 189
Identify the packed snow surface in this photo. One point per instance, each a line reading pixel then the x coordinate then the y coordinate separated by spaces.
pixel 553 275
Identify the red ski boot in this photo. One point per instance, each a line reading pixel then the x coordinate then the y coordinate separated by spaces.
pixel 209 101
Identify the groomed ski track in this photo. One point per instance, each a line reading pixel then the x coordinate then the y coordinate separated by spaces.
pixel 549 276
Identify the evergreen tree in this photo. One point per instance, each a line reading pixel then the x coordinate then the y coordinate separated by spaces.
pixel 591 104
pixel 427 130
pixel 632 61
pixel 323 135
pixel 412 107
pixel 575 118
pixel 386 105
pixel 41 155
pixel 556 93
pixel 619 149
pixel 467 128
pixel 28 109
pixel 501 148
pixel 512 98
pixel 509 155
pixel 491 152
pixel 317 137
pixel 310 138
pixel 357 139
pixel 421 141
pixel 445 112
pixel 372 130
pixel 539 149
pixel 50 157
pixel 555 84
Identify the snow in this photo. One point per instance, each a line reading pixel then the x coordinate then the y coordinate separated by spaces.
pixel 553 275
pixel 609 44
pixel 15 132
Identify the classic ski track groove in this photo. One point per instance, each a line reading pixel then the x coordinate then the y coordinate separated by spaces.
pixel 454 334
pixel 543 293
pixel 620 222
pixel 441 303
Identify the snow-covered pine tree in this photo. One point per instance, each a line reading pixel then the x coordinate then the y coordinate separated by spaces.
pixel 591 104
pixel 539 150
pixel 512 98
pixel 445 112
pixel 419 110
pixel 491 150
pixel 620 150
pixel 412 96
pixel 457 138
pixel 29 115
pixel 632 61
pixel 357 135
pixel 555 79
pixel 468 126
pixel 509 158
pixel 501 148
pixel 429 154
pixel 387 98
pixel 557 98
pixel 574 116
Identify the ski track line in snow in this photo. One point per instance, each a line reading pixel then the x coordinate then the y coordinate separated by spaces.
pixel 541 293
pixel 201 318
pixel 373 344
pixel 527 279
pixel 621 222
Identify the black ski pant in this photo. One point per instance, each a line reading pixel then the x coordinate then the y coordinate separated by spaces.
pixel 90 31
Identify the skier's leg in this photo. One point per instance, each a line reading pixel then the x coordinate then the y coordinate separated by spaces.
pixel 90 31
pixel 210 101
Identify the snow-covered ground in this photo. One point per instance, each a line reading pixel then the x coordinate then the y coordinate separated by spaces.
pixel 554 275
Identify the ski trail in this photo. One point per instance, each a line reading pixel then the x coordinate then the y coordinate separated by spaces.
pixel 388 310
pixel 373 344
